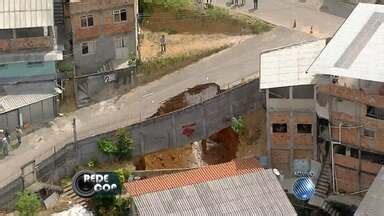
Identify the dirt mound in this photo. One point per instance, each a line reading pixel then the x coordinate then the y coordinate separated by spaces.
pixel 189 97
pixel 227 141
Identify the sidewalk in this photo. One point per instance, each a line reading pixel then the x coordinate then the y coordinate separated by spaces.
pixel 284 12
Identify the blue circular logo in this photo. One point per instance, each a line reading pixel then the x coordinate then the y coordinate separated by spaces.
pixel 303 188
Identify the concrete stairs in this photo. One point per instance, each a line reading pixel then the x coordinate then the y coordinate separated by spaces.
pixel 322 189
pixel 58 9
pixel 322 186
pixel 83 98
pixel 69 194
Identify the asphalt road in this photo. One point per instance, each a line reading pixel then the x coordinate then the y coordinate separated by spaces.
pixel 307 13
pixel 225 68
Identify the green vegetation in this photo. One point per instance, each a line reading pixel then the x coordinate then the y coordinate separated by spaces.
pixel 147 7
pixel 238 124
pixel 93 163
pixel 110 205
pixel 180 10
pixel 27 203
pixel 120 145
pixel 123 174
pixel 106 146
pixel 245 21
pixel 158 67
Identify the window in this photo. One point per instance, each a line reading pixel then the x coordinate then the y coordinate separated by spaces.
pixel 6 34
pixel 88 48
pixel 375 112
pixel 282 92
pixel 369 133
pixel 121 42
pixel 120 15
pixel 35 64
pixel 279 128
pixel 86 21
pixel 3 66
pixel 304 128
pixel 30 32
pixel 303 92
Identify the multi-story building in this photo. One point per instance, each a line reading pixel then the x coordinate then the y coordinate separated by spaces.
pixel 327 104
pixel 28 55
pixel 104 39
pixel 351 88
pixel 290 105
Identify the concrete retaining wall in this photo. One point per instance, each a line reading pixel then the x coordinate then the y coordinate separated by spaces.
pixel 169 131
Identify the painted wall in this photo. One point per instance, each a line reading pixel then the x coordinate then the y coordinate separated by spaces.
pixel 25 72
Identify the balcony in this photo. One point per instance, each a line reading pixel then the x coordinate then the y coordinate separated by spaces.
pixel 26 44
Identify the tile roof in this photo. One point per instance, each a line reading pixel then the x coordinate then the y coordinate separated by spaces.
pixel 356 50
pixel 373 200
pixel 287 66
pixel 250 191
pixel 204 174
pixel 25 13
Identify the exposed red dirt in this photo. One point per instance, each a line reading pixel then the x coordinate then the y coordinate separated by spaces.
pixel 180 101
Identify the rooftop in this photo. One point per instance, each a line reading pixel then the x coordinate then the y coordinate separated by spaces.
pixel 287 66
pixel 239 187
pixel 15 96
pixel 356 50
pixel 25 13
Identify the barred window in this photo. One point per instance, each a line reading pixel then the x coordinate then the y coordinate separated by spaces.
pixel 121 42
pixel 86 21
pixel 88 47
pixel 120 15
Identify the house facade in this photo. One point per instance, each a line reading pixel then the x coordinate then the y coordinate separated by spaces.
pixel 347 108
pixel 104 41
pixel 28 55
pixel 290 106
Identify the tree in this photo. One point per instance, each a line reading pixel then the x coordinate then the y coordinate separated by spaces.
pixel 120 145
pixel 27 203
pixel 123 145
pixel 106 146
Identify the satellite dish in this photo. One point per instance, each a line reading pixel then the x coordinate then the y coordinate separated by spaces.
pixel 276 171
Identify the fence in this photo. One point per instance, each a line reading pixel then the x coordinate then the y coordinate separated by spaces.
pixel 169 131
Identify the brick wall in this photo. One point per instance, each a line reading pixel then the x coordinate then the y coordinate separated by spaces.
pixel 353 95
pixel 102 18
pixel 348 175
pixel 19 44
pixel 94 5
pixel 281 144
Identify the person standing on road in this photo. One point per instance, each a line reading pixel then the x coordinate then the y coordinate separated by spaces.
pixel 19 134
pixel 163 44
pixel 7 135
pixel 5 143
pixel 255 4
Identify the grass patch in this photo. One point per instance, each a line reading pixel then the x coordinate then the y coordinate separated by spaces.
pixel 245 21
pixel 176 14
pixel 158 67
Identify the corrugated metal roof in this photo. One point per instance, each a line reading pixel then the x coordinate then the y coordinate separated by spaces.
pixel 16 96
pixel 287 66
pixel 373 202
pixel 25 13
pixel 255 193
pixel 356 50
pixel 165 182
